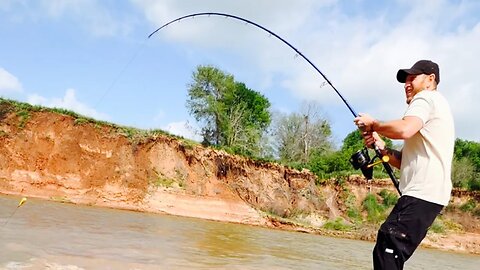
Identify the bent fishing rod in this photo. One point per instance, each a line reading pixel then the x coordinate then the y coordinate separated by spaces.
pixel 360 159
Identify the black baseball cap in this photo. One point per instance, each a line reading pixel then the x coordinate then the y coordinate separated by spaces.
pixel 421 67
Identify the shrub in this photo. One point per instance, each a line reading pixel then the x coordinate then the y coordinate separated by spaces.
pixel 337 225
pixel 463 171
pixel 375 210
pixel 469 206
pixel 476 212
pixel 438 226
pixel 474 183
pixel 389 198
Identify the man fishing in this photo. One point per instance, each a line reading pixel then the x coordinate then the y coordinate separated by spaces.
pixel 425 162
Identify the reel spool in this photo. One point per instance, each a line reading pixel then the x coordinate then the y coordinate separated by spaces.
pixel 361 160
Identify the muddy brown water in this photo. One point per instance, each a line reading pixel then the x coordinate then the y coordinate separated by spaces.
pixel 51 235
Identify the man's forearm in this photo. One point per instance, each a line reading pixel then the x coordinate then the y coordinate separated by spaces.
pixel 395 157
pixel 398 129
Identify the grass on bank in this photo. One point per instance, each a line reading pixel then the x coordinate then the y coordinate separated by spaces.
pixel 135 135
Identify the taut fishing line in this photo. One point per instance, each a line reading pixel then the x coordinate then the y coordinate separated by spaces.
pixel 360 159
pixel 116 78
pixel 22 201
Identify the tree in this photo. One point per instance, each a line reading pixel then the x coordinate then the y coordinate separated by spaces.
pixel 463 172
pixel 299 135
pixel 231 115
pixel 469 150
pixel 466 165
pixel 205 93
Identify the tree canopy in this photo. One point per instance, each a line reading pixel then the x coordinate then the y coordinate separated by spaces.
pixel 299 135
pixel 231 115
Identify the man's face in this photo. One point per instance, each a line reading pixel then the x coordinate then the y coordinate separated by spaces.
pixel 413 85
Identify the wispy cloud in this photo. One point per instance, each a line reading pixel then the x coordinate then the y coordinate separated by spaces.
pixel 8 82
pixel 68 101
pixel 96 17
pixel 184 129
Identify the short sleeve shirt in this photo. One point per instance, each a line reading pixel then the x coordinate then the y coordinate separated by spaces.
pixel 427 156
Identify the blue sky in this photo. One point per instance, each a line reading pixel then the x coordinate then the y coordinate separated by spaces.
pixel 93 57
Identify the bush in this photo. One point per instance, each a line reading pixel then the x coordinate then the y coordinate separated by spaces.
pixel 474 183
pixel 476 212
pixel 438 226
pixel 326 165
pixel 389 198
pixel 463 172
pixel 468 206
pixel 337 225
pixel 375 210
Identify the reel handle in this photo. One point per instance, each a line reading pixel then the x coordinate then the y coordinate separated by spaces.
pixel 387 167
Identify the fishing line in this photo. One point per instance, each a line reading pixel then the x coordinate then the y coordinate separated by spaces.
pixel 22 201
pixel 115 80
pixel 386 165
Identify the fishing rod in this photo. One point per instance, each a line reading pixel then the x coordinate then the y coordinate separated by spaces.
pixel 22 201
pixel 360 159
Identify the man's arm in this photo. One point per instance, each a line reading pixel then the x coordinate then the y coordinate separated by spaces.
pixel 396 129
pixel 395 156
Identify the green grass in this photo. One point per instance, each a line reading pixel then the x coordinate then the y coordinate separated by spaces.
pixel 24 116
pixel 61 199
pixel 476 212
pixel 438 226
pixel 375 210
pixel 389 198
pixel 135 135
pixel 338 225
pixel 163 181
pixel 468 206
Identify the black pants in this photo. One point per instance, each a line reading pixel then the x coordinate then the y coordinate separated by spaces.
pixel 402 232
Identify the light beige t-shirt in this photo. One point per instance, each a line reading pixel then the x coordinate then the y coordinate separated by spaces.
pixel 427 155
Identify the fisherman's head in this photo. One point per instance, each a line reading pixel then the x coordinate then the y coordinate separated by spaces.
pixel 423 75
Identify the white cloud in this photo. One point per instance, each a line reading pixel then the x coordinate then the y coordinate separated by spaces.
pixel 184 129
pixel 9 82
pixel 359 53
pixel 94 16
pixel 70 102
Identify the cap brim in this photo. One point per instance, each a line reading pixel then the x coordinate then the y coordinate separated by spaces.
pixel 403 73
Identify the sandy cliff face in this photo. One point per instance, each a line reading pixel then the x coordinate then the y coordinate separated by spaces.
pixel 55 156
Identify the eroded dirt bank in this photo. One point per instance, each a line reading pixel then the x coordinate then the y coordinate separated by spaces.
pixel 56 156
pixel 59 157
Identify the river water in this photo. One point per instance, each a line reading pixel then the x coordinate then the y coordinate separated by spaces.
pixel 51 235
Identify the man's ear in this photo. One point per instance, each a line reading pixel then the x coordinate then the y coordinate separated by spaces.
pixel 432 82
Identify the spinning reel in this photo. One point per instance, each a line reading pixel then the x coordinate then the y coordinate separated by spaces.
pixel 361 160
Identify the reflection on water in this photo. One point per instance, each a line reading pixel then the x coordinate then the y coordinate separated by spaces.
pixel 48 235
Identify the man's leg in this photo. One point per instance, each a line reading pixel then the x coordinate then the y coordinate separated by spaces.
pixel 402 232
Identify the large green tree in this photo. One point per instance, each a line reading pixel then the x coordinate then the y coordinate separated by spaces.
pixel 230 114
